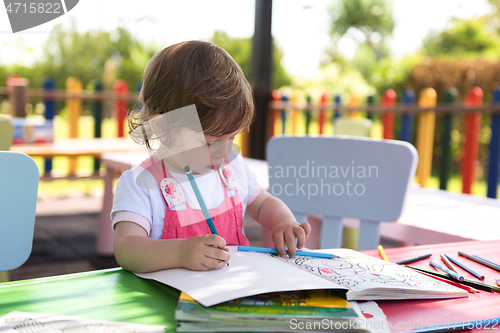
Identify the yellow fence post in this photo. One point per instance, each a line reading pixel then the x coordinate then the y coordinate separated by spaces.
pixel 425 135
pixel 354 101
pixel 74 106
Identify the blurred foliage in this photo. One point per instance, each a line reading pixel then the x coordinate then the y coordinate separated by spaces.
pixel 463 38
pixel 241 51
pixel 372 18
pixel 462 74
pixel 87 56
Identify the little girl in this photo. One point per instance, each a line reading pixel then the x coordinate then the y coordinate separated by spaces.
pixel 162 226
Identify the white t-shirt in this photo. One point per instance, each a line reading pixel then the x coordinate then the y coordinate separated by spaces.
pixel 146 203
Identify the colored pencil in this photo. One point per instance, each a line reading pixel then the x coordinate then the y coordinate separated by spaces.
pixel 448 271
pixel 464 326
pixel 298 252
pixel 491 262
pixel 414 259
pixel 203 207
pixel 382 253
pixel 498 282
pixel 479 260
pixel 470 283
pixel 461 265
pixel 449 264
pixel 453 283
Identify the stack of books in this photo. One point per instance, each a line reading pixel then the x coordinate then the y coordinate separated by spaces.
pixel 287 311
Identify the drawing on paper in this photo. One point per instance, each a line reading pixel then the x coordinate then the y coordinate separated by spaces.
pixel 364 272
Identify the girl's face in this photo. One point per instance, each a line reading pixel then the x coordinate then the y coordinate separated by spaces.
pixel 201 152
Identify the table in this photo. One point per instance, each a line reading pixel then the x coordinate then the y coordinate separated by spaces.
pixel 112 294
pixel 74 147
pixel 115 294
pixel 431 312
pixel 430 216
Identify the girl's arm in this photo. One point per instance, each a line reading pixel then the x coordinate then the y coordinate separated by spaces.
pixel 136 252
pixel 273 214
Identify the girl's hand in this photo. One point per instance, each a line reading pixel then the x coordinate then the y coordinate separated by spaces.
pixel 203 253
pixel 286 233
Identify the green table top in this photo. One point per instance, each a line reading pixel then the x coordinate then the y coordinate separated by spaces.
pixel 112 294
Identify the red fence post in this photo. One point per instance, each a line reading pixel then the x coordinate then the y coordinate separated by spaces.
pixel 322 111
pixel 388 99
pixel 471 143
pixel 121 105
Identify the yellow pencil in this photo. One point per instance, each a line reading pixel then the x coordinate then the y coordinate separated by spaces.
pixel 382 253
pixel 448 263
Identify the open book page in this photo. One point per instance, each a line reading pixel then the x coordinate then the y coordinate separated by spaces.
pixel 367 277
pixel 248 274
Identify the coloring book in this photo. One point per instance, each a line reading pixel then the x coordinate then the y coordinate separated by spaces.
pixel 362 277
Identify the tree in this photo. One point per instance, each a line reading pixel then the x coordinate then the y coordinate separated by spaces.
pixel 372 18
pixel 68 52
pixel 463 38
pixel 241 51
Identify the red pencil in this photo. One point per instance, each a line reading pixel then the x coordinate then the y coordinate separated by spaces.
pixel 456 284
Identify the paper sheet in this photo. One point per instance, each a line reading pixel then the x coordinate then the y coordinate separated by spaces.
pixel 26 322
pixel 248 274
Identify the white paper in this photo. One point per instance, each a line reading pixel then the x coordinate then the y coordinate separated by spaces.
pixel 16 322
pixel 249 273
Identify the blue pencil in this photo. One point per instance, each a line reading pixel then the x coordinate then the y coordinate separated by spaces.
pixel 275 251
pixel 491 262
pixel 470 270
pixel 448 271
pixel 203 207
pixel 197 192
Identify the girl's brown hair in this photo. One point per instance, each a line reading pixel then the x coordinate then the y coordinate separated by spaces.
pixel 200 73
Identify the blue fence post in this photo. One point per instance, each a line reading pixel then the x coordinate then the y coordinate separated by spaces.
pixel 283 114
pixel 338 100
pixel 406 131
pixel 494 160
pixel 49 85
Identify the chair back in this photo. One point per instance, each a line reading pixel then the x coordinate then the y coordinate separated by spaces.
pixel 19 177
pixel 353 126
pixel 341 176
pixel 6 133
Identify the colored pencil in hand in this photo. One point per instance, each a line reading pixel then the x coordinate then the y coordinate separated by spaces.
pixel 203 207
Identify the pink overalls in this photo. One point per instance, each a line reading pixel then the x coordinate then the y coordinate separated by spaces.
pixel 189 222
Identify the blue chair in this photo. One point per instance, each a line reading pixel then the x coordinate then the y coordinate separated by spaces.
pixel 19 177
pixel 342 176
